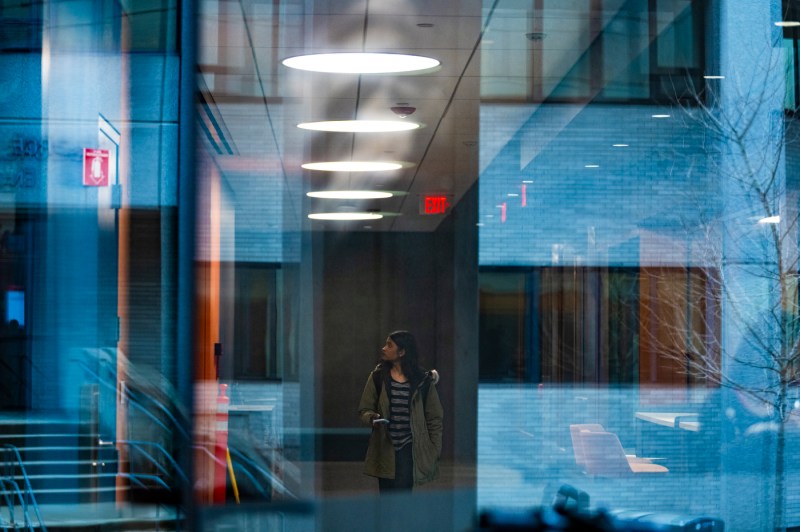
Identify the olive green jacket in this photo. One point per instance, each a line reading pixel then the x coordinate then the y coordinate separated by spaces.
pixel 426 431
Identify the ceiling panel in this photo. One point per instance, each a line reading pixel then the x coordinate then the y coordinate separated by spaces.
pixel 259 101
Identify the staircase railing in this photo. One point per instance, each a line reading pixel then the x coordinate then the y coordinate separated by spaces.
pixel 139 447
pixel 10 492
pixel 246 465
pixel 25 495
pixel 244 462
pixel 134 403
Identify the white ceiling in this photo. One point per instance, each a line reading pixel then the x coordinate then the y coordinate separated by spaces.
pixel 258 102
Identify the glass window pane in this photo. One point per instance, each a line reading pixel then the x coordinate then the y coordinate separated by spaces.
pixel 583 218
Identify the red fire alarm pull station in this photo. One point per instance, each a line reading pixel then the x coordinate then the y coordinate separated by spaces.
pixel 434 204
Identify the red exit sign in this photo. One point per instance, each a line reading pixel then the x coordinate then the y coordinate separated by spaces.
pixel 434 204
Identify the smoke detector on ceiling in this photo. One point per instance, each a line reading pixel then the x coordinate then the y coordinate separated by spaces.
pixel 403 110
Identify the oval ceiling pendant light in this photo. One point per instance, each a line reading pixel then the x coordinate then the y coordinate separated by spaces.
pixel 349 194
pixel 353 166
pixel 360 126
pixel 361 63
pixel 345 216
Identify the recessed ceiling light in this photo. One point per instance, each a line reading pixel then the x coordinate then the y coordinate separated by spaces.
pixel 349 194
pixel 620 145
pixel 591 166
pixel 660 116
pixel 513 195
pixel 713 76
pixel 770 220
pixel 787 24
pixel 345 216
pixel 528 181
pixel 352 166
pixel 360 126
pixel 361 63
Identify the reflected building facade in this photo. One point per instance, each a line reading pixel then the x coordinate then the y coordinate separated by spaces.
pixel 607 285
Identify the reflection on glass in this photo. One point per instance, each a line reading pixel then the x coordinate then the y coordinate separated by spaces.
pixel 91 424
pixel 610 298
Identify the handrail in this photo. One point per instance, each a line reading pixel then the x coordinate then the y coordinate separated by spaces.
pixel 273 480
pixel 253 479
pixel 210 454
pixel 28 488
pixel 242 460
pixel 129 393
pixel 136 476
pixel 220 462
pixel 8 495
pixel 250 475
pixel 135 403
pixel 138 446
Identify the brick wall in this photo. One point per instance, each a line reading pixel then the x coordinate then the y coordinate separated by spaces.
pixel 640 206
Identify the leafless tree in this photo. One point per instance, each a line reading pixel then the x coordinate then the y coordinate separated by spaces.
pixel 745 249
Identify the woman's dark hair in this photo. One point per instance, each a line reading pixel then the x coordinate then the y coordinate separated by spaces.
pixel 409 362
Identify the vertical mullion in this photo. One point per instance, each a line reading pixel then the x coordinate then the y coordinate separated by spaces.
pixel 795 64
pixel 652 28
pixel 596 67
pixel 537 53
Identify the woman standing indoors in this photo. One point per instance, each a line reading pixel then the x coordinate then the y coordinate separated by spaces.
pixel 401 405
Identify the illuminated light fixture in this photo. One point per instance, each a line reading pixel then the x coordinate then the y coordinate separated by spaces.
pixel 528 181
pixel 660 116
pixel 345 216
pixel 513 195
pixel 349 194
pixel 770 220
pixel 591 166
pixel 359 126
pixel 361 63
pixel 620 145
pixel 787 24
pixel 712 76
pixel 352 166
pixel 480 224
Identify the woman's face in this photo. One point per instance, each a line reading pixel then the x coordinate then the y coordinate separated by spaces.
pixel 391 353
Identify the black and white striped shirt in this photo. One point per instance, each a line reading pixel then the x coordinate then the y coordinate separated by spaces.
pixel 400 413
